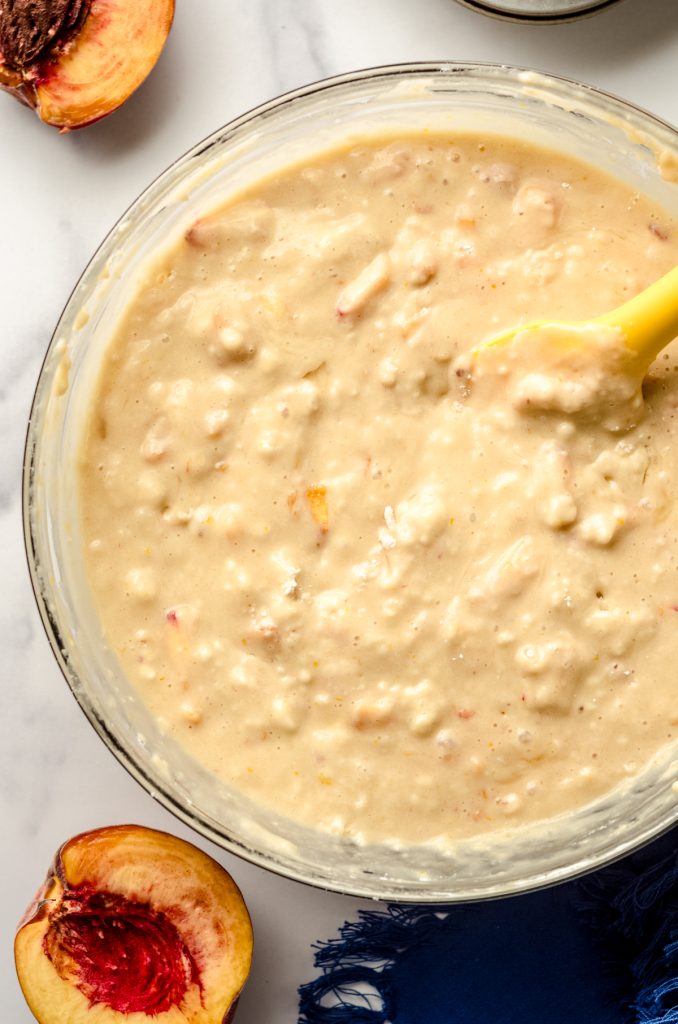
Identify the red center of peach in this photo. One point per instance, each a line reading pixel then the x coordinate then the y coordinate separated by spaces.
pixel 119 952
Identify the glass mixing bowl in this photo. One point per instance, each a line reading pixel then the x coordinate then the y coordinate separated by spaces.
pixel 575 119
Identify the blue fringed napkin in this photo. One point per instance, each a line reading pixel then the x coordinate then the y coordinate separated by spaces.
pixel 600 950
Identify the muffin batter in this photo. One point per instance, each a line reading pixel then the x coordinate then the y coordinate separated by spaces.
pixel 389 597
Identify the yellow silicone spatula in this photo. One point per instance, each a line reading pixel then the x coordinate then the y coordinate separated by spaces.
pixel 647 322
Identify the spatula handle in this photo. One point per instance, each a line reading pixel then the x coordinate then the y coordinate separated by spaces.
pixel 650 320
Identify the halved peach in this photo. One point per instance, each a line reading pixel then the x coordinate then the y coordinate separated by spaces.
pixel 134 921
pixel 74 61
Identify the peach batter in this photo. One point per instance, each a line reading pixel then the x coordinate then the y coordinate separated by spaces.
pixel 391 601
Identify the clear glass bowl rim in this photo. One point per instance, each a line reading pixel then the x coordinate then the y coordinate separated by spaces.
pixel 525 13
pixel 560 86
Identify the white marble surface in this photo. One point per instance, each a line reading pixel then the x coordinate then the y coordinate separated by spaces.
pixel 58 197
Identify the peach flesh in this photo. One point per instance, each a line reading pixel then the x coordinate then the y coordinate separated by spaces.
pixel 75 61
pixel 134 921
pixel 119 952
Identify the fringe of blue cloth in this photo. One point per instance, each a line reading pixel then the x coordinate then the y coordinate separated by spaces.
pixel 630 908
pixel 355 986
pixel 633 908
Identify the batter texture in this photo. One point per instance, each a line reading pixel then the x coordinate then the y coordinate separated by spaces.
pixel 393 600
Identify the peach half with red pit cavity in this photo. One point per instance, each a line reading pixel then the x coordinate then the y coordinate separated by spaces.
pixel 75 61
pixel 131 921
